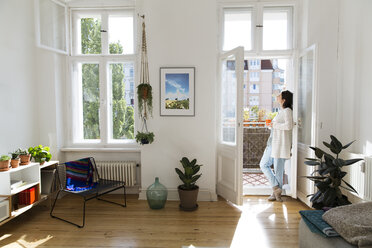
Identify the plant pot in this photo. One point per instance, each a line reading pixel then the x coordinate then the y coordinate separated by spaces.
pixel 268 121
pixel 188 199
pixel 25 159
pixel 15 163
pixel 4 165
pixel 144 141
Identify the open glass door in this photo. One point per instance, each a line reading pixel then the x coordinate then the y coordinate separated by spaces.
pixel 230 128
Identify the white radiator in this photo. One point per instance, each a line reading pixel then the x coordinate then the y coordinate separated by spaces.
pixel 360 175
pixel 118 170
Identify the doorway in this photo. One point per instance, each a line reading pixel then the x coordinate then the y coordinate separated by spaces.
pixel 264 79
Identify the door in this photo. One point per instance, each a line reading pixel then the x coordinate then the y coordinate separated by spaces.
pixel 306 116
pixel 230 126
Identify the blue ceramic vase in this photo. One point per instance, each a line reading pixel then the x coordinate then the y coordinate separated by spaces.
pixel 156 194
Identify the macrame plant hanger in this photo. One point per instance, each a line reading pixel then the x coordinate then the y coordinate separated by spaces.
pixel 144 75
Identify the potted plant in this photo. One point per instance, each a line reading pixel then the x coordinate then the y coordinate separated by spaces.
pixel 144 94
pixel 40 154
pixel 270 116
pixel 188 191
pixel 330 176
pixel 24 156
pixel 4 163
pixel 145 138
pixel 15 159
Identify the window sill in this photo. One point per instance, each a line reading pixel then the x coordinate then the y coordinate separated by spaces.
pixel 80 149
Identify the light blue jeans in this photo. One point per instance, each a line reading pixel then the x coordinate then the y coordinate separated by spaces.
pixel 265 163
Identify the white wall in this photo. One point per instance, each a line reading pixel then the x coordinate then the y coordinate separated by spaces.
pixel 18 92
pixel 355 75
pixel 182 33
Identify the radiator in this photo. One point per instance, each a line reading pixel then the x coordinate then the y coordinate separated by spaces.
pixel 360 175
pixel 118 170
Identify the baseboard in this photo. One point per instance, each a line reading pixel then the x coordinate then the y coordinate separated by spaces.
pixel 204 195
pixel 303 198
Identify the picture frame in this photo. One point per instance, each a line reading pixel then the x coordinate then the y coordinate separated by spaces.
pixel 177 91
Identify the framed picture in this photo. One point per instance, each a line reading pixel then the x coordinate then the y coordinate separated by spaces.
pixel 177 91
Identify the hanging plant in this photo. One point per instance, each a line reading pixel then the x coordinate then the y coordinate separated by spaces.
pixel 145 138
pixel 144 94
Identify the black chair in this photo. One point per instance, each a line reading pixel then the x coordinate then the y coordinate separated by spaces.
pixel 81 178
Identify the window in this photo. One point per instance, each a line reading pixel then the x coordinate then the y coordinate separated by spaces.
pixel 254 89
pixel 254 100
pixel 276 29
pixel 237 28
pixel 258 28
pixel 103 79
pixel 254 76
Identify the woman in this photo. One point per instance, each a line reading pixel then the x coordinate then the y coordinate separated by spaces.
pixel 278 148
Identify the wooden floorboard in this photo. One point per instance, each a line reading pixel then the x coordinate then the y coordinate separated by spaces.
pixel 257 223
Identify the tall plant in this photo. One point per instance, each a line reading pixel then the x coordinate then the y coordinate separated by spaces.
pixel 188 177
pixel 330 175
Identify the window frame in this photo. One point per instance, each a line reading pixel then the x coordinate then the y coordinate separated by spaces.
pixel 104 60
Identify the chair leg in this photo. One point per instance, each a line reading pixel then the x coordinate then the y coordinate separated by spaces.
pixel 125 197
pixel 72 223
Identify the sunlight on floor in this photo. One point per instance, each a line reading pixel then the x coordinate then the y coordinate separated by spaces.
pixel 22 242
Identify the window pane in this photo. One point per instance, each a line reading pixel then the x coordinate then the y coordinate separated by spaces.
pixel 90 29
pixel 275 29
pixel 237 29
pixel 121 34
pixel 90 97
pixel 228 101
pixel 122 84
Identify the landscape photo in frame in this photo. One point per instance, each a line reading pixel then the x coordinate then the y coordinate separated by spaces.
pixel 177 95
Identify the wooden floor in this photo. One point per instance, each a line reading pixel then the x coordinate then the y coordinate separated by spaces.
pixel 257 223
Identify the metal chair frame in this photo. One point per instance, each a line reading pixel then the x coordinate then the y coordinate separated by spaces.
pixel 94 193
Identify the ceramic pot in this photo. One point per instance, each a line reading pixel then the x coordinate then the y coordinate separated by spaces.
pixel 4 165
pixel 15 163
pixel 188 198
pixel 25 159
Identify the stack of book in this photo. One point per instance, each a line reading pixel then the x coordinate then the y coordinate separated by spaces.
pixel 16 184
pixel 28 196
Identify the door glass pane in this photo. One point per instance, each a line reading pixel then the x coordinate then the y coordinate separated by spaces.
pixel 228 101
pixel 121 34
pixel 237 29
pixel 90 100
pixel 305 94
pixel 122 85
pixel 90 35
pixel 275 29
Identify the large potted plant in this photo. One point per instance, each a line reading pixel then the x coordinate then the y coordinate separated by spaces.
pixel 329 178
pixel 40 154
pixel 188 191
pixel 4 163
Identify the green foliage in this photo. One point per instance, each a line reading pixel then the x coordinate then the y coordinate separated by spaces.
pixel 22 152
pixel 330 176
pixel 40 154
pixel 144 95
pixel 188 177
pixel 122 115
pixel 145 138
pixel 15 154
pixel 4 158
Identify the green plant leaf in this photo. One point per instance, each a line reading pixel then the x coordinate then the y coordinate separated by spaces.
pixel 194 178
pixel 353 161
pixel 332 148
pixel 193 162
pixel 338 162
pixel 351 187
pixel 336 142
pixel 316 196
pixel 318 152
pixel 347 145
pixel 315 177
pixel 312 159
pixel 312 163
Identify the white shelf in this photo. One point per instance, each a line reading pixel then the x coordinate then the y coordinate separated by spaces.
pixel 47 164
pixel 26 186
pixel 19 168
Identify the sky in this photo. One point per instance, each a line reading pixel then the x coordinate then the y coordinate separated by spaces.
pixel 121 29
pixel 177 86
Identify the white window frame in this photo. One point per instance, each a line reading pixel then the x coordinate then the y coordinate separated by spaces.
pixel 104 59
pixel 257 8
pixel 38 28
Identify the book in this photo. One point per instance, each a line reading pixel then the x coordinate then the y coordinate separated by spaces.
pixel 16 184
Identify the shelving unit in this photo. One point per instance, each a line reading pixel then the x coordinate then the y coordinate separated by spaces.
pixel 29 174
